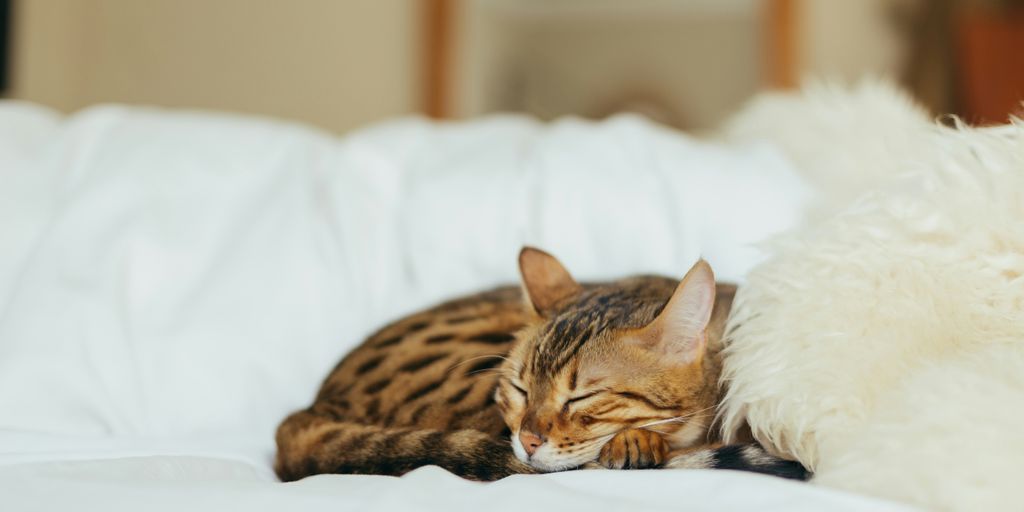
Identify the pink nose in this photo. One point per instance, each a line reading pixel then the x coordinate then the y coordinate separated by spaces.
pixel 530 441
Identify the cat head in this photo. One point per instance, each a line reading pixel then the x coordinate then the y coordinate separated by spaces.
pixel 599 359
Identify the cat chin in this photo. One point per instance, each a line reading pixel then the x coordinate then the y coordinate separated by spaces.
pixel 544 462
pixel 555 466
pixel 541 460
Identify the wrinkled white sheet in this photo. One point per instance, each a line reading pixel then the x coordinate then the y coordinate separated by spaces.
pixel 173 283
pixel 189 483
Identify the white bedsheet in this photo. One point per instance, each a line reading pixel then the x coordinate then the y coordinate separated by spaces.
pixel 192 483
pixel 173 283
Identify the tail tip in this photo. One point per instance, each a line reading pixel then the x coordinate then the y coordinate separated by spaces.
pixel 753 458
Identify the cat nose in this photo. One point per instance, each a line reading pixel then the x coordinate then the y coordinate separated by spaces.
pixel 530 441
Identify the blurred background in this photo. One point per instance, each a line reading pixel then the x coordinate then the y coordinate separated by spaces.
pixel 340 64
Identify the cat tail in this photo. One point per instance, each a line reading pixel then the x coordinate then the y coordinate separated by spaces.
pixel 310 444
pixel 741 457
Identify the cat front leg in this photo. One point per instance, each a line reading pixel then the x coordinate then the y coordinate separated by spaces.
pixel 634 449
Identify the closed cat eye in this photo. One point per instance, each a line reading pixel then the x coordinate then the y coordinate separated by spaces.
pixel 582 397
pixel 519 389
pixel 579 398
pixel 565 406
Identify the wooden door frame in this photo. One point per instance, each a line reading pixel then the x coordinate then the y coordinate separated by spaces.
pixel 781 48
pixel 438 49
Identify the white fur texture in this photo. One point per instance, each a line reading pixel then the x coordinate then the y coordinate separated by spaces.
pixel 836 136
pixel 884 345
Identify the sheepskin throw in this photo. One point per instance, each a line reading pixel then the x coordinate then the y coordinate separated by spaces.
pixel 882 344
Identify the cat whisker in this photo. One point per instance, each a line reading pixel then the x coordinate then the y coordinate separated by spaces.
pixel 656 431
pixel 477 358
pixel 676 419
pixel 486 370
pixel 508 372
pixel 600 438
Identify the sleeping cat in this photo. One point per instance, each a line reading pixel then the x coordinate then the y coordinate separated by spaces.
pixel 621 374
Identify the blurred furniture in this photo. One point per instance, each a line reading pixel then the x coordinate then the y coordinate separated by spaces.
pixel 990 54
pixel 781 45
pixel 682 62
pixel 967 58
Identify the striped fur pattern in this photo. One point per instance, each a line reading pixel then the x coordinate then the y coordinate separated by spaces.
pixel 616 375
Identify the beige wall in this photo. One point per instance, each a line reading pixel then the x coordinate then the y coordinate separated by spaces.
pixel 688 63
pixel 846 39
pixel 340 64
pixel 334 63
pixel 696 60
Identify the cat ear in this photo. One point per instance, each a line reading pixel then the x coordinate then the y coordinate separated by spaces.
pixel 680 330
pixel 546 282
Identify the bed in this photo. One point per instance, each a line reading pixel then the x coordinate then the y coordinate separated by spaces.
pixel 172 283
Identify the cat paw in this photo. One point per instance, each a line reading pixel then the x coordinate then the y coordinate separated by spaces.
pixel 634 449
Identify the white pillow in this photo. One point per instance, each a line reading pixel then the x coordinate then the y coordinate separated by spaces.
pixel 192 273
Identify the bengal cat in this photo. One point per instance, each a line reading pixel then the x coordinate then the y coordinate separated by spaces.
pixel 622 374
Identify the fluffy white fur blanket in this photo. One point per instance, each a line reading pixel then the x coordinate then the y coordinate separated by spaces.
pixel 883 344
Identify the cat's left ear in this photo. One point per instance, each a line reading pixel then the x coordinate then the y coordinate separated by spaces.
pixel 680 330
pixel 546 282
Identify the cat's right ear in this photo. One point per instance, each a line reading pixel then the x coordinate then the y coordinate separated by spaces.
pixel 679 333
pixel 546 282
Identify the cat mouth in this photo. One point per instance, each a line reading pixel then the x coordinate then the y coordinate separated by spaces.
pixel 541 460
pixel 551 466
